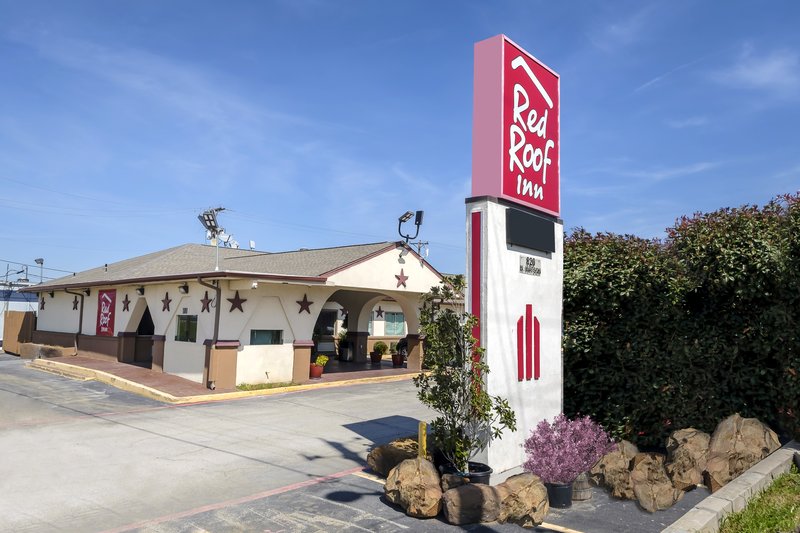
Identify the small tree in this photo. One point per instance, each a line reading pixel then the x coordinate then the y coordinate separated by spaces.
pixel 455 388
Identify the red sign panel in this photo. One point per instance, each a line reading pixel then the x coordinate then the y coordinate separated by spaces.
pixel 106 301
pixel 516 127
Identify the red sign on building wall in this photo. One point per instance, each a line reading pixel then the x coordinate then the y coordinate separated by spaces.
pixel 515 145
pixel 106 300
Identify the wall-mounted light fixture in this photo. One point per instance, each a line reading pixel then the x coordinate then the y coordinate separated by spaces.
pixel 52 294
pixel 183 289
pixel 254 285
pixel 87 291
pixel 140 291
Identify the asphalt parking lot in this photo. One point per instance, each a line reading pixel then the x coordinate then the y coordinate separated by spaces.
pixel 84 456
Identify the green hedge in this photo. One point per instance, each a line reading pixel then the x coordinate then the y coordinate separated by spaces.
pixel 661 335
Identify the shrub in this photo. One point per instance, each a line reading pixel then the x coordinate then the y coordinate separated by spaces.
pixel 381 348
pixel 321 360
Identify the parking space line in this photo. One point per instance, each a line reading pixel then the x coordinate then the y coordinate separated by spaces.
pixel 371 477
pixel 560 529
pixel 357 511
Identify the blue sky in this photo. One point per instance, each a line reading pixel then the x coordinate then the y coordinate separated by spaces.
pixel 317 123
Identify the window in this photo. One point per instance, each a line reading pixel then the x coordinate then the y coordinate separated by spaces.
pixel 187 328
pixel 325 322
pixel 266 336
pixel 395 323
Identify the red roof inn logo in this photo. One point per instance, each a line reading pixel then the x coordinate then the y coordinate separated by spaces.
pixel 516 122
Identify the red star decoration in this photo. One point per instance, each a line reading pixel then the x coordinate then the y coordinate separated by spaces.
pixel 401 278
pixel 236 302
pixel 166 302
pixel 305 305
pixel 379 312
pixel 126 303
pixel 75 304
pixel 41 304
pixel 206 301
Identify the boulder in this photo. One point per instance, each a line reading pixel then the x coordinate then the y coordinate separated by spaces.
pixel 687 452
pixel 387 456
pixel 524 500
pixel 451 481
pixel 414 486
pixel 651 484
pixel 613 471
pixel 736 445
pixel 471 503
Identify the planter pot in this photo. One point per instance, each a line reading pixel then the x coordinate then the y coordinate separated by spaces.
pixel 397 360
pixel 315 372
pixel 478 472
pixel 581 489
pixel 375 358
pixel 559 495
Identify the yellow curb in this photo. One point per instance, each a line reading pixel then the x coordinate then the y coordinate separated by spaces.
pixel 79 372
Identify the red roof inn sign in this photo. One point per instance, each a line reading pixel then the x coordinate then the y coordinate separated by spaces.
pixel 515 151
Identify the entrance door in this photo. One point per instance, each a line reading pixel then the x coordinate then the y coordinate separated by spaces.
pixel 143 355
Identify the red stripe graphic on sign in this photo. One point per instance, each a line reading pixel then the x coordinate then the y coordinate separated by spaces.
pixel 475 274
pixel 528 341
pixel 536 348
pixel 520 367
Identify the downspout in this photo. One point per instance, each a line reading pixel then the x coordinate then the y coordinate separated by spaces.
pixel 80 317
pixel 218 291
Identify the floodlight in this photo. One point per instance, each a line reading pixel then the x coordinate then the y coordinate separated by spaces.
pixel 405 217
pixel 140 291
pixel 418 219
pixel 183 289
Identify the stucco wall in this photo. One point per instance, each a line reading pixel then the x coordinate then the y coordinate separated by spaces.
pixel 184 359
pixel 265 364
pixel 58 314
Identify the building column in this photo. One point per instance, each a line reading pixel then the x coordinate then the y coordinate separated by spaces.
pixel 414 361
pixel 302 361
pixel 126 347
pixel 358 340
pixel 158 353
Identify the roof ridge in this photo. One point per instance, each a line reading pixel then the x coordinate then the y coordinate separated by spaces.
pixel 321 249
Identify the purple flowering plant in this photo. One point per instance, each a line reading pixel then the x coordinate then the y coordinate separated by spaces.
pixel 558 452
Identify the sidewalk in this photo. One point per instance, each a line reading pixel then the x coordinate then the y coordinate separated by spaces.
pixel 176 390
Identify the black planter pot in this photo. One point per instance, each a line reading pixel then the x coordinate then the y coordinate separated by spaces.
pixel 478 472
pixel 559 495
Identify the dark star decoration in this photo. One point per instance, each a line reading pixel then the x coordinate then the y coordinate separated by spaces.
pixel 166 302
pixel 41 304
pixel 206 301
pixel 401 278
pixel 75 304
pixel 236 302
pixel 126 303
pixel 379 312
pixel 305 305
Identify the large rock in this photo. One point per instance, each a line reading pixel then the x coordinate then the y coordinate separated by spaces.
pixel 414 486
pixel 736 445
pixel 524 500
pixel 613 471
pixel 451 481
pixel 471 503
pixel 383 458
pixel 687 453
pixel 651 484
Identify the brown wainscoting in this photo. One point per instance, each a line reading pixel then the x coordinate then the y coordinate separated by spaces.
pixel 98 347
pixel 54 338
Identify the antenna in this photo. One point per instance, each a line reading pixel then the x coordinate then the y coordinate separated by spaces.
pixel 252 245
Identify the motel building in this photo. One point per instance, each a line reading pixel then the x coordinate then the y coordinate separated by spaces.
pixel 225 316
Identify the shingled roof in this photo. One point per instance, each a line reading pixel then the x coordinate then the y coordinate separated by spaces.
pixel 190 261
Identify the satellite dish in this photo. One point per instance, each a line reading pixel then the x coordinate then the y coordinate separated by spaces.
pixel 252 245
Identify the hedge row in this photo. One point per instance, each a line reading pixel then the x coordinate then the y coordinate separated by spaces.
pixel 665 334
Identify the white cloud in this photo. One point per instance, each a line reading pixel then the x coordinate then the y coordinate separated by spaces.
pixel 662 174
pixel 776 73
pixel 688 122
pixel 622 32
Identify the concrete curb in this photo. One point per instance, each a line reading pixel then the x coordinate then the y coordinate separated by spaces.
pixel 85 374
pixel 706 516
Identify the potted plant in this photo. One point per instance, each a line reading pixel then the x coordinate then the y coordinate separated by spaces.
pixel 397 357
pixel 343 345
pixel 468 416
pixel 558 452
pixel 316 367
pixel 378 351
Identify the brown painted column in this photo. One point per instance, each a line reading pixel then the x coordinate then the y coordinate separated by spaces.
pixel 358 340
pixel 414 352
pixel 126 347
pixel 221 371
pixel 158 353
pixel 302 361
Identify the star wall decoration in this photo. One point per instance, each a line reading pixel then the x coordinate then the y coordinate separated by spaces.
pixel 126 303
pixel 41 304
pixel 75 304
pixel 206 301
pixel 166 302
pixel 379 312
pixel 236 302
pixel 401 278
pixel 305 305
